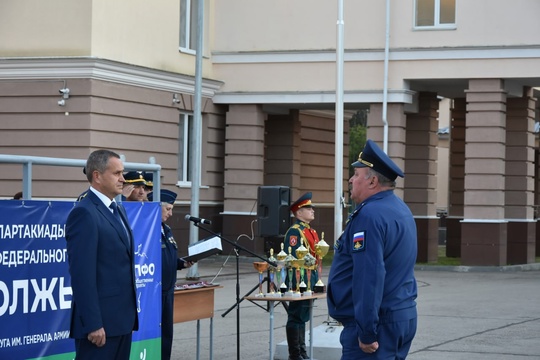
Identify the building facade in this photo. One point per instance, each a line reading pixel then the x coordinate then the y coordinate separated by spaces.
pixel 269 80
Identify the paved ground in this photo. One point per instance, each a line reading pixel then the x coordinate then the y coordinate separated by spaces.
pixel 464 313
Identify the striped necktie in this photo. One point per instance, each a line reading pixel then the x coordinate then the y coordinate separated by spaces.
pixel 116 214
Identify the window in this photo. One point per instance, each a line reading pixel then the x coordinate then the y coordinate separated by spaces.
pixel 185 139
pixel 435 13
pixel 188 25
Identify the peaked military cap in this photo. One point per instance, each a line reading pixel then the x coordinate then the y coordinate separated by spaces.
pixel 167 196
pixel 373 157
pixel 303 201
pixel 149 178
pixel 134 178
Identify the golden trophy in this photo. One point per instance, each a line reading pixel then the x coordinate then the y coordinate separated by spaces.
pixel 321 249
pixel 300 252
pixel 261 267
pixel 289 263
pixel 281 270
pixel 309 265
pixel 272 270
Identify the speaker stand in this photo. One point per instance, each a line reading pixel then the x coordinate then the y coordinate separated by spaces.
pixel 256 287
pixel 237 249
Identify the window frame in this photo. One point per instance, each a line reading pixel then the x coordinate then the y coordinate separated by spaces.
pixel 185 137
pixel 188 26
pixel 436 18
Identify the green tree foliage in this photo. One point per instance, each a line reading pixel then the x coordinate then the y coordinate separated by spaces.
pixel 357 135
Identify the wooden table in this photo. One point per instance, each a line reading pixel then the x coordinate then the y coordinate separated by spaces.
pixel 196 304
pixel 271 301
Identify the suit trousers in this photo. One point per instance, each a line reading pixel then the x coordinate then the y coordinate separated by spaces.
pixel 115 348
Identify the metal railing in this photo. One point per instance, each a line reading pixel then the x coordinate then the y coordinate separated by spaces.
pixel 28 161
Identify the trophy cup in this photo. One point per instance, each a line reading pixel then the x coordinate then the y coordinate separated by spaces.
pixel 301 252
pixel 281 270
pixel 261 267
pixel 272 270
pixel 309 265
pixel 289 260
pixel 321 249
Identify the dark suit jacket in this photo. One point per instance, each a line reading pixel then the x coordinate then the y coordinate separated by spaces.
pixel 102 273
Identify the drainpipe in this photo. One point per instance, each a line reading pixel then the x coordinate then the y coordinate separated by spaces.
pixel 338 167
pixel 385 81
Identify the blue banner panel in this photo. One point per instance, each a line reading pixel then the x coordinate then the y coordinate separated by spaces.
pixel 145 220
pixel 35 288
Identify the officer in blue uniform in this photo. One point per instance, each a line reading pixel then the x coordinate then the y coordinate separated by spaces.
pixel 300 233
pixel 170 263
pixel 371 286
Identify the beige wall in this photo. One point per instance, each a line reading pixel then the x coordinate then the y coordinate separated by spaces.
pixel 45 28
pixel 144 33
pixel 311 25
pixel 443 153
pixel 275 47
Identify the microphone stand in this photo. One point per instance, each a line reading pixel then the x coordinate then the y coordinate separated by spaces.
pixel 237 249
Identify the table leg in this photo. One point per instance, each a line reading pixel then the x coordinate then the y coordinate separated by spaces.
pixel 211 338
pixel 271 352
pixel 198 339
pixel 311 329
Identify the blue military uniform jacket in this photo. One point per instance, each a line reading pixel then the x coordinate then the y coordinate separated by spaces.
pixel 372 275
pixel 169 259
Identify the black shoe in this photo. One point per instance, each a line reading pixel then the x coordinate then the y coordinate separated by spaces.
pixel 302 342
pixel 292 343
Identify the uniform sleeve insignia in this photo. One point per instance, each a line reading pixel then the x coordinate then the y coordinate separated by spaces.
pixel 293 240
pixel 359 241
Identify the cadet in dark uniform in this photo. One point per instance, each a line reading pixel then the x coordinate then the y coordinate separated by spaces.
pixel 85 192
pixel 134 186
pixel 149 180
pixel 298 311
pixel 170 263
pixel 371 285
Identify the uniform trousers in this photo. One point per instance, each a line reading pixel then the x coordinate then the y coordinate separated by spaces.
pixel 298 313
pixel 394 338
pixel 167 324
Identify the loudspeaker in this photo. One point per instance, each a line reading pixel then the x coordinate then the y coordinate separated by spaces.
pixel 273 216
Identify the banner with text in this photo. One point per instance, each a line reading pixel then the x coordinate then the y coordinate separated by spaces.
pixel 35 287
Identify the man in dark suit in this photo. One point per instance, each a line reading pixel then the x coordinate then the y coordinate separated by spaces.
pixel 101 265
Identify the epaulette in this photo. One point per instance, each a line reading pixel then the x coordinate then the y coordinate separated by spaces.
pixel 82 196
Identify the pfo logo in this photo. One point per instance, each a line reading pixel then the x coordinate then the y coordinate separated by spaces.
pixel 145 269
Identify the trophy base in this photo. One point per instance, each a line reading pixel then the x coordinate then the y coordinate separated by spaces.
pixel 303 289
pixel 308 293
pixel 319 289
pixel 296 295
pixel 288 293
